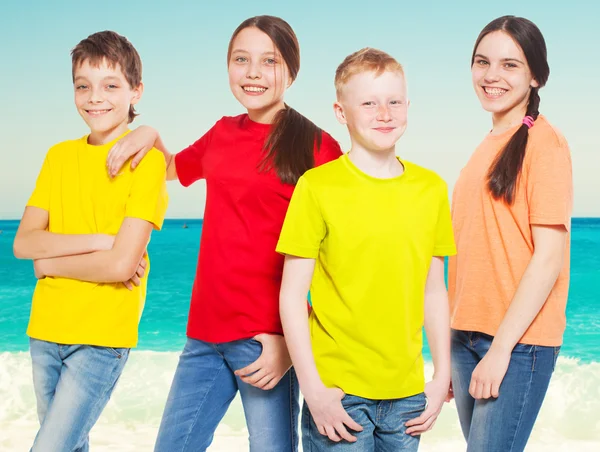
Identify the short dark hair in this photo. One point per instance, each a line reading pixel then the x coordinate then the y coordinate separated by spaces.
pixel 115 50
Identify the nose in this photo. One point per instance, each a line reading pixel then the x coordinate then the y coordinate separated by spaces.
pixel 253 71
pixel 96 96
pixel 491 74
pixel 383 113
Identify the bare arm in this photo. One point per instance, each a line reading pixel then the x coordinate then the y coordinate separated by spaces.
pixel 533 290
pixel 115 265
pixel 297 276
pixel 33 241
pixel 437 328
pixel 324 403
pixel 437 319
pixel 535 285
pixel 137 144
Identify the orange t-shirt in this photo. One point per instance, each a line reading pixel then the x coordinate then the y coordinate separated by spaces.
pixel 494 240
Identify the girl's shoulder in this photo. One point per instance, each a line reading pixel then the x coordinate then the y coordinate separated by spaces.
pixel 544 134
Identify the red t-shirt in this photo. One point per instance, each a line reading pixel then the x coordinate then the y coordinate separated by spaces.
pixel 236 290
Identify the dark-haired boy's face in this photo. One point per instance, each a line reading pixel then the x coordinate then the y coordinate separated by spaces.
pixel 102 98
pixel 501 77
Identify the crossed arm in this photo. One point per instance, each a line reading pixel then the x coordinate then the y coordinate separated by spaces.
pixel 86 257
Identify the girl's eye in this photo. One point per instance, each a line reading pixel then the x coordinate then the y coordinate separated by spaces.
pixel 510 65
pixel 369 103
pixel 81 87
pixel 240 59
pixel 481 62
pixel 271 61
pixel 112 86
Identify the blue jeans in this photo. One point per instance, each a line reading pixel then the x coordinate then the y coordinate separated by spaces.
pixel 72 385
pixel 203 387
pixel 503 424
pixel 382 422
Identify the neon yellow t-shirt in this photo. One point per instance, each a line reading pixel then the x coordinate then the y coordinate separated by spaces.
pixel 373 241
pixel 80 197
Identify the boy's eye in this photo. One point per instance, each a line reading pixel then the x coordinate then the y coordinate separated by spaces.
pixel 81 87
pixel 369 103
pixel 396 102
pixel 112 86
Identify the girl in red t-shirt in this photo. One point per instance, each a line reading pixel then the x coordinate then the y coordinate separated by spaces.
pixel 251 163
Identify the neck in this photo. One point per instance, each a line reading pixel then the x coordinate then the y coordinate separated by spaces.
pixel 98 138
pixel 379 164
pixel 505 120
pixel 266 115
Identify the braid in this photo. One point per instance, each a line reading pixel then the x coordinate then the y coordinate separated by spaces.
pixel 506 169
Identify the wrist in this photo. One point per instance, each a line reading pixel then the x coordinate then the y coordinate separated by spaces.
pixel 501 347
pixel 443 376
pixel 311 389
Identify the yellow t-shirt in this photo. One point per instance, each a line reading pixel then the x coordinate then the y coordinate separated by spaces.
pixel 80 197
pixel 373 241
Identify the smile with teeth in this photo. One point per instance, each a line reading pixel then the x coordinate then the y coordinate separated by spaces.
pixel 494 92
pixel 254 89
pixel 97 112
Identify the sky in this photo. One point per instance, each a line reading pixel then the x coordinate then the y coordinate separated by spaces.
pixel 183 45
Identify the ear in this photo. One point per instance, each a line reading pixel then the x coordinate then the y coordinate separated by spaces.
pixel 137 93
pixel 534 83
pixel 339 113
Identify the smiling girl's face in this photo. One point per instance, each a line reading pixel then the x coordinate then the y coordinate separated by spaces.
pixel 258 76
pixel 501 76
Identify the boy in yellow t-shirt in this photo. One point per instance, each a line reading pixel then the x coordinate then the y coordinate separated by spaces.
pixel 87 235
pixel 367 234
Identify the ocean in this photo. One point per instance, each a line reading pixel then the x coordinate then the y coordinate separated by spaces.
pixel 569 420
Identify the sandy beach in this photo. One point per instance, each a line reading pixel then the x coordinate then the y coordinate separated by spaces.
pixel 569 420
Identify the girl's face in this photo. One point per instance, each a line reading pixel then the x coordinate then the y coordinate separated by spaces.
pixel 258 76
pixel 501 77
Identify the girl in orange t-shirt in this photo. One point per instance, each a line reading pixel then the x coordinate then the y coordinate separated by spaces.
pixel 511 212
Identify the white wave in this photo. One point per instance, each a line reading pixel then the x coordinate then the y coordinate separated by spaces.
pixel 569 420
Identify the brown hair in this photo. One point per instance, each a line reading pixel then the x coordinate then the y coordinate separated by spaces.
pixel 365 60
pixel 291 143
pixel 506 169
pixel 115 50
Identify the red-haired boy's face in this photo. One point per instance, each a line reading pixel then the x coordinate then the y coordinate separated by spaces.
pixel 375 109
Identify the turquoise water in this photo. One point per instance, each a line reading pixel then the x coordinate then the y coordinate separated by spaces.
pixel 174 253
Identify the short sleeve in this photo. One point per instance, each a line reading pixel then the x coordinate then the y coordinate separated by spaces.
pixel 550 185
pixel 190 162
pixel 304 228
pixel 328 151
pixel 41 194
pixel 444 235
pixel 148 198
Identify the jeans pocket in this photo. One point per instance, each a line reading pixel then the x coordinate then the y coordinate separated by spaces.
pixel 118 352
pixel 556 353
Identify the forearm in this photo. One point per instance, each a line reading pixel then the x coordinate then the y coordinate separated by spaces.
pixel 40 244
pixel 296 332
pixel 100 267
pixel 531 295
pixel 437 329
pixel 169 158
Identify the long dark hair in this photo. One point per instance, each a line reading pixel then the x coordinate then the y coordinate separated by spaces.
pixel 506 169
pixel 290 145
